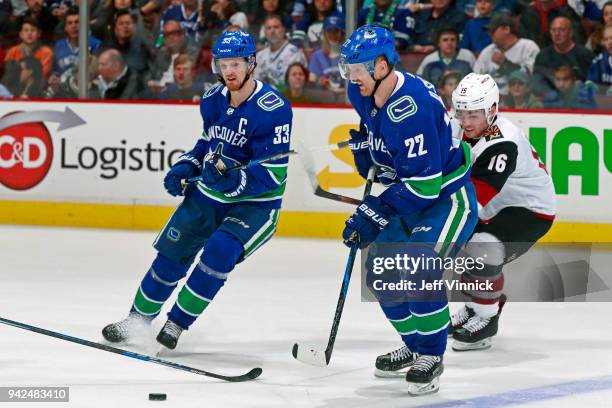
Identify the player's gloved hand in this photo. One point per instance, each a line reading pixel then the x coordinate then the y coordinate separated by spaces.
pixel 216 176
pixel 186 167
pixel 361 151
pixel 371 217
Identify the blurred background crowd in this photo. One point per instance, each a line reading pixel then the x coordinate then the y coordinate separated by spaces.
pixel 544 54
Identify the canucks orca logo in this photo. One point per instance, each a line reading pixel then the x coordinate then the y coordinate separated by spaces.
pixel 402 108
pixel 270 101
pixel 211 91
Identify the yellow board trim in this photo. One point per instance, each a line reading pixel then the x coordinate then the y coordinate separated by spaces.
pixel 291 224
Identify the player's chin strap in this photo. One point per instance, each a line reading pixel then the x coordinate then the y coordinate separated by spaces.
pixel 377 82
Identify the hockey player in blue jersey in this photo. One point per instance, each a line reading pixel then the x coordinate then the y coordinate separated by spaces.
pixel 230 213
pixel 405 131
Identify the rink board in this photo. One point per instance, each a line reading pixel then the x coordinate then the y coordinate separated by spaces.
pixel 105 168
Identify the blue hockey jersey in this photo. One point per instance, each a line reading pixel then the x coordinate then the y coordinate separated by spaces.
pixel 600 70
pixel 258 128
pixel 410 139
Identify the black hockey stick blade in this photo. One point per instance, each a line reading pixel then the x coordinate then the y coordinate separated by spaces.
pixel 251 375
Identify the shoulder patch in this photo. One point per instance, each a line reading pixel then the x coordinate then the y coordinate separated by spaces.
pixel 270 101
pixel 210 92
pixel 492 132
pixel 402 108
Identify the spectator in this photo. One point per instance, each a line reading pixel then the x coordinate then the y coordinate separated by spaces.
pixel 66 50
pixel 5 93
pixel 135 52
pixel 570 93
pixel 227 14
pixel 600 71
pixel 430 21
pixel 59 8
pixel 6 12
pixel 447 58
pixel 470 7
pixel 595 42
pixel 115 79
pixel 175 43
pixel 30 83
pixel 188 16
pixel 182 88
pixel 295 78
pixel 272 61
pixel 30 45
pixel 386 13
pixel 475 35
pixel 323 66
pixel 265 8
pixel 46 20
pixel 519 95
pixel 563 51
pixel 537 18
pixel 103 19
pixel 448 83
pixel 309 30
pixel 507 53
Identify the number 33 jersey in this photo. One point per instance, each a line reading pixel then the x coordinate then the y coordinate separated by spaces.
pixel 507 172
pixel 258 128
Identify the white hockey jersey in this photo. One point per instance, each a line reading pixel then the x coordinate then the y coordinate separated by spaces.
pixel 507 172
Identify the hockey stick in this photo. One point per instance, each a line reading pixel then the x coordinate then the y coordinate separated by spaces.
pixel 251 375
pixel 311 355
pixel 310 169
pixel 277 156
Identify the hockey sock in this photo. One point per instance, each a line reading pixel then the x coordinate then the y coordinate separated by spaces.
pixel 157 286
pixel 485 302
pixel 221 253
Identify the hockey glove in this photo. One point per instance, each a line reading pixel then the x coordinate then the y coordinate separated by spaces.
pixel 186 167
pixel 371 217
pixel 216 177
pixel 361 151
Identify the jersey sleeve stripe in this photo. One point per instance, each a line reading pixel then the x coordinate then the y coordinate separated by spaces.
pixel 428 189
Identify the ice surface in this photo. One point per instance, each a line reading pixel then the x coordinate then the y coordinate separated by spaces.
pixel 76 281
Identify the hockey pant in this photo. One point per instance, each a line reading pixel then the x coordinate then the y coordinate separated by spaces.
pixel 436 231
pixel 227 235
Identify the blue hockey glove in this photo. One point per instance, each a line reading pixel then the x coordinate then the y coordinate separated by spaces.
pixel 371 217
pixel 186 167
pixel 216 177
pixel 361 151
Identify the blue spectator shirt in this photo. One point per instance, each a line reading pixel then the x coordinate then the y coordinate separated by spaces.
pixel 403 24
pixel 322 65
pixel 475 36
pixel 191 25
pixel 65 56
pixel 600 70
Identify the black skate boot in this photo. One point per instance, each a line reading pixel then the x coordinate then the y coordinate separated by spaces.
pixel 459 318
pixel 424 375
pixel 122 331
pixel 392 364
pixel 169 334
pixel 478 332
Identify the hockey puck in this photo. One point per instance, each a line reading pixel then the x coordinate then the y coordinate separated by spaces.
pixel 157 397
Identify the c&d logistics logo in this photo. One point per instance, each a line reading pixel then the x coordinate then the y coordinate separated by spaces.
pixel 26 146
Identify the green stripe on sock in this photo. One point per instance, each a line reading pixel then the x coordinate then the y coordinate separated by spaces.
pixel 190 302
pixel 433 322
pixel 146 306
pixel 455 223
pixel 404 326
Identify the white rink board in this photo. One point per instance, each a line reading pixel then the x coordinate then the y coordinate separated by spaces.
pixel 130 128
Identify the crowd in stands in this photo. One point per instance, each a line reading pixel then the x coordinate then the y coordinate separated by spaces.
pixel 553 54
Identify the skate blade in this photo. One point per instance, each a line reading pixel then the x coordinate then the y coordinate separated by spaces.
pixel 391 374
pixel 417 389
pixel 479 345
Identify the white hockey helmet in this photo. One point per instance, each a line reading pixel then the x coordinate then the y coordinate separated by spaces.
pixel 476 92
